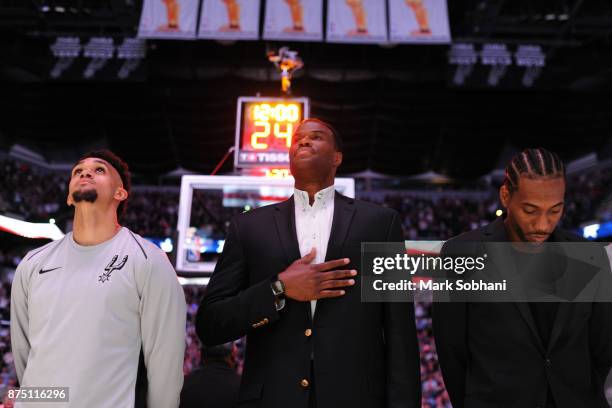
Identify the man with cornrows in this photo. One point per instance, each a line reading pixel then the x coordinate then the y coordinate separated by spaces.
pixel 526 354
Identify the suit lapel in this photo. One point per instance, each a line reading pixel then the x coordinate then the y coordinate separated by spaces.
pixel 564 307
pixel 343 215
pixel 497 233
pixel 509 272
pixel 560 319
pixel 341 222
pixel 576 277
pixel 285 227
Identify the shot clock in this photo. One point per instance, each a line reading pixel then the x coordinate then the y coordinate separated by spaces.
pixel 264 127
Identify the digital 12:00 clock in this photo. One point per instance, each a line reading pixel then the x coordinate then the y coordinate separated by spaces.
pixel 264 127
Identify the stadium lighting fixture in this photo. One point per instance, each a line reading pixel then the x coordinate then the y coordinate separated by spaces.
pixel 100 50
pixel 531 57
pixel 498 58
pixel 65 49
pixel 133 51
pixel 464 56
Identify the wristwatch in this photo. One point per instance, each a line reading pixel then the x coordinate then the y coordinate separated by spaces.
pixel 278 288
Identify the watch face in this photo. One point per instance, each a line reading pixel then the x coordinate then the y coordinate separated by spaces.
pixel 278 287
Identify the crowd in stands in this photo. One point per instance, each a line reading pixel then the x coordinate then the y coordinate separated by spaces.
pixel 440 219
pixel 30 192
pixel 152 214
pixel 585 193
pixel 434 393
pixel 193 347
pixel 36 194
pixel 33 194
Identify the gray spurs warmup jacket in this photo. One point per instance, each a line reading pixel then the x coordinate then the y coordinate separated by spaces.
pixel 82 316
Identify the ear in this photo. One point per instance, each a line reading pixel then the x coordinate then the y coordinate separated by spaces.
pixel 69 200
pixel 504 196
pixel 121 194
pixel 337 159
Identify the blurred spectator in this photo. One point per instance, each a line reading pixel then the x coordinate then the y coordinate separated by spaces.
pixel 585 192
pixel 215 384
pixel 33 194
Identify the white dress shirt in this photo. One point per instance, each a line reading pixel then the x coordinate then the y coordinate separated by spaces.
pixel 313 224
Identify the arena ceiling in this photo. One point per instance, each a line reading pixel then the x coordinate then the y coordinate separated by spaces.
pixel 396 106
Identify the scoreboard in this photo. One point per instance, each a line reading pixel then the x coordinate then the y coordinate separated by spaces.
pixel 264 127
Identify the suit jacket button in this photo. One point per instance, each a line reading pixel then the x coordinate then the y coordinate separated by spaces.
pixel 308 333
pixel 304 383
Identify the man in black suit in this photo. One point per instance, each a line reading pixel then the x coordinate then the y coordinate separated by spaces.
pixel 525 354
pixel 287 280
pixel 215 384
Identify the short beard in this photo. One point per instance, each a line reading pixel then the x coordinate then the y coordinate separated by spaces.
pixel 88 196
pixel 519 231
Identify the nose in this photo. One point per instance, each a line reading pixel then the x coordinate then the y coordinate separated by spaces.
pixel 543 224
pixel 305 141
pixel 85 173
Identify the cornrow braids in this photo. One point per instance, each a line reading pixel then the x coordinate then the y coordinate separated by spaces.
pixel 533 163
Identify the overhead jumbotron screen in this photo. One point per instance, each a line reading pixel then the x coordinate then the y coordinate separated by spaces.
pixel 264 127
pixel 208 203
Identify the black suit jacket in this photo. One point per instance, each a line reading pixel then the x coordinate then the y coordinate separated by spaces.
pixel 492 356
pixel 365 354
pixel 215 385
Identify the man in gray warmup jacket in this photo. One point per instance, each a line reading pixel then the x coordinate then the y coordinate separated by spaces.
pixel 100 311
